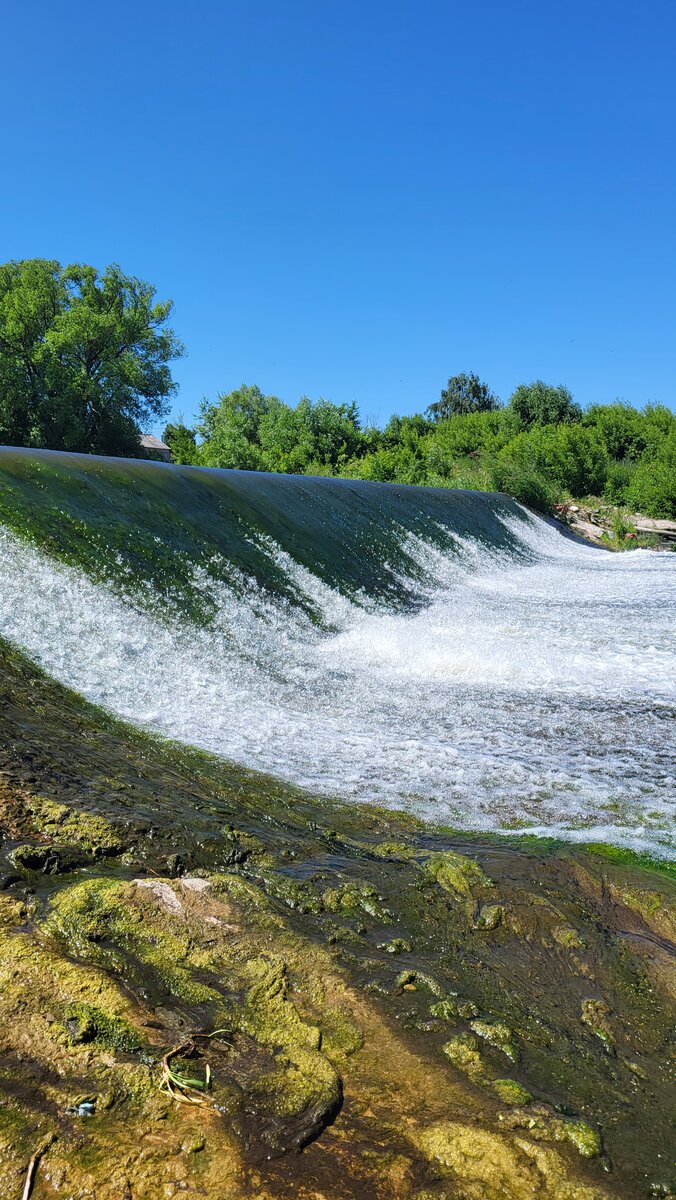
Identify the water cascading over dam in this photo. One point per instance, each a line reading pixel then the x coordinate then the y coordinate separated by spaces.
pixel 443 652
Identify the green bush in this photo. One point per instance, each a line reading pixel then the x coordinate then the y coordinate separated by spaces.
pixel 524 485
pixel 622 430
pixel 538 403
pixel 569 457
pixel 617 483
pixel 652 489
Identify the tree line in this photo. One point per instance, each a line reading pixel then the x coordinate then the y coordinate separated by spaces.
pixel 85 364
pixel 540 447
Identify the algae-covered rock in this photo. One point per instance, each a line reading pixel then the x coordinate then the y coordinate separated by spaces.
pixel 542 1123
pixel 595 1013
pixel 71 827
pixel 585 1139
pixel 568 937
pixel 44 859
pixel 416 979
pixel 490 916
pixel 305 1090
pixel 89 1023
pixel 483 1165
pixel 396 946
pixel 446 1010
pixel 511 1092
pixel 293 892
pixel 464 1052
pixel 456 874
pixel 498 1034
pixel 398 851
pixel 352 898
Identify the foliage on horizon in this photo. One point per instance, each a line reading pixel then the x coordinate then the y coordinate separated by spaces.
pixel 463 394
pixel 540 447
pixel 84 364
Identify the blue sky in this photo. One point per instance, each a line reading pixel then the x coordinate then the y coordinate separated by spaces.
pixel 357 200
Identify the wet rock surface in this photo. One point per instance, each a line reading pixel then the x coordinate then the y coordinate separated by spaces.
pixel 361 1006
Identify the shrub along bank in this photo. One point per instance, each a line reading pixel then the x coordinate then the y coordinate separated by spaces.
pixel 540 447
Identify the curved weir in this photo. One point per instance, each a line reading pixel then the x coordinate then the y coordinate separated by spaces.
pixel 327 931
pixel 443 652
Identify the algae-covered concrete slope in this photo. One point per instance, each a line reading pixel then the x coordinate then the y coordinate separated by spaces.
pixel 144 524
pixel 212 985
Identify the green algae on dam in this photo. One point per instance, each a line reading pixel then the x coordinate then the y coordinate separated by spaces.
pixel 144 524
pixel 396 1011
pixel 436 651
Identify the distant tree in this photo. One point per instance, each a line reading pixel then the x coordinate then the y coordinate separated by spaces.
pixel 251 431
pixel 539 404
pixel 463 394
pixel 230 428
pixel 182 442
pixel 333 431
pixel 83 357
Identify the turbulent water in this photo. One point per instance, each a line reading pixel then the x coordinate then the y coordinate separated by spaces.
pixel 528 683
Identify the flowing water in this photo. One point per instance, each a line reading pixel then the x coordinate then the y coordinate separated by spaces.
pixel 446 653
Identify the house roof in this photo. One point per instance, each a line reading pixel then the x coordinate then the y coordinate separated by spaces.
pixel 152 443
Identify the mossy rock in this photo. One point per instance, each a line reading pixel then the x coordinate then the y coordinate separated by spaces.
pixel 497 1034
pixel 457 874
pixel 511 1092
pixel 464 1052
pixel 88 1023
pixel 353 898
pixel 70 827
pixel 482 1165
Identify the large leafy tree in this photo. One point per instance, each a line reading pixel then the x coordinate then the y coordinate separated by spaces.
pixel 249 430
pixel 84 357
pixel 463 394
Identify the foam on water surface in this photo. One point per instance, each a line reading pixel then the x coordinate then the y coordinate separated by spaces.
pixel 532 692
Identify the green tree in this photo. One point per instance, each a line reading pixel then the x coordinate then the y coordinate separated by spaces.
pixel 652 488
pixel 539 404
pixel 83 357
pixel 183 444
pixel 463 394
pixel 230 428
pixel 251 431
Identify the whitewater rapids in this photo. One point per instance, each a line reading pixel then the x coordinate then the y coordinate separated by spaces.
pixel 531 694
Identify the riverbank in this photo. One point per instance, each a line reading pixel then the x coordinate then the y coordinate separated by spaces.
pixel 616 528
pixel 422 1013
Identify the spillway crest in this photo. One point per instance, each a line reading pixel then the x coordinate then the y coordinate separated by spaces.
pixel 443 652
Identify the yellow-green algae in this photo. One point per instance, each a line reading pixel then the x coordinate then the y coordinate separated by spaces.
pixel 457 874
pixel 510 1091
pixel 320 1045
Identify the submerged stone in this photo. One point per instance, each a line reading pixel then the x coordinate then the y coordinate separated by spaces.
pixel 511 1092
pixel 457 874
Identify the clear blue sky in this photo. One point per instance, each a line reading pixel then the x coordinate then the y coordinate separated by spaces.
pixel 357 200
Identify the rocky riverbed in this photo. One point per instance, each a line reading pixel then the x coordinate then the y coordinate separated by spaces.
pixel 214 985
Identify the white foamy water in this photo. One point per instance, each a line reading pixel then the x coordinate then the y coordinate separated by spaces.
pixel 533 696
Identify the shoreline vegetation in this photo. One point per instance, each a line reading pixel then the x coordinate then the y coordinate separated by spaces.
pixel 540 448
pixel 205 971
pixel 85 366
